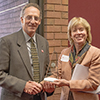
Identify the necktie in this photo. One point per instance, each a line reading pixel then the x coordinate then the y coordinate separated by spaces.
pixel 35 60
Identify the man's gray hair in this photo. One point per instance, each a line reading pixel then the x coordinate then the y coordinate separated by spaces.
pixel 31 5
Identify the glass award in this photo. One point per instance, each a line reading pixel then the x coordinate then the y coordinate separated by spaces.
pixel 51 67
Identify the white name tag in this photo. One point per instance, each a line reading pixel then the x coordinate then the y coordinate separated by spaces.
pixel 65 58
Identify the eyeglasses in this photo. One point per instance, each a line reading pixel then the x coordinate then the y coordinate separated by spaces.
pixel 29 18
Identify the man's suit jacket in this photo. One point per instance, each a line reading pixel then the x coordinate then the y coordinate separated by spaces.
pixel 91 60
pixel 15 67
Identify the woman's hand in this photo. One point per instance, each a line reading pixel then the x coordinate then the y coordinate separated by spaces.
pixel 61 82
pixel 48 87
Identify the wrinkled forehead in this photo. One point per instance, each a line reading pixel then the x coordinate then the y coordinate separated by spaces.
pixel 32 11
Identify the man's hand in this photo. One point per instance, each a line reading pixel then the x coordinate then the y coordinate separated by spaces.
pixel 32 87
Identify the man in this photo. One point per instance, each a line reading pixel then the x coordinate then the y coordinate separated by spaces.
pixel 16 62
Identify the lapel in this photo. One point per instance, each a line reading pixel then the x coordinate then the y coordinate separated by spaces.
pixel 40 43
pixel 23 52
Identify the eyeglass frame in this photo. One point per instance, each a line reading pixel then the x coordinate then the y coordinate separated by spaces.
pixel 30 18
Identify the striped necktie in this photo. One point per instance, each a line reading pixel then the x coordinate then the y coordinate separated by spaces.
pixel 35 60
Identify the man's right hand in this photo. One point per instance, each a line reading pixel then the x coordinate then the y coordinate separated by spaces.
pixel 32 87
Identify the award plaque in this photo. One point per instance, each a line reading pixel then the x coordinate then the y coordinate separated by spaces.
pixel 51 67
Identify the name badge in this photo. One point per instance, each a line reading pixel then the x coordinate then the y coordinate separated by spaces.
pixel 65 58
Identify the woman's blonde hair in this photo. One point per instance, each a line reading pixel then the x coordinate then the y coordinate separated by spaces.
pixel 79 21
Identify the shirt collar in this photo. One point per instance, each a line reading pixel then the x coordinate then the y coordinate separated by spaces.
pixel 27 37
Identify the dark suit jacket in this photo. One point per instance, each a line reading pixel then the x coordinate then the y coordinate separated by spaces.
pixel 15 67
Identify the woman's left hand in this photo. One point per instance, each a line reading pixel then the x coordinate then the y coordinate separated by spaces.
pixel 61 82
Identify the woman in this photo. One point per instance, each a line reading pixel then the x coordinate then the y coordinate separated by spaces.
pixel 80 52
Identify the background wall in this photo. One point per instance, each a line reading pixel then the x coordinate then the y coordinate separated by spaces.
pixel 55 30
pixel 90 10
pixel 10 16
